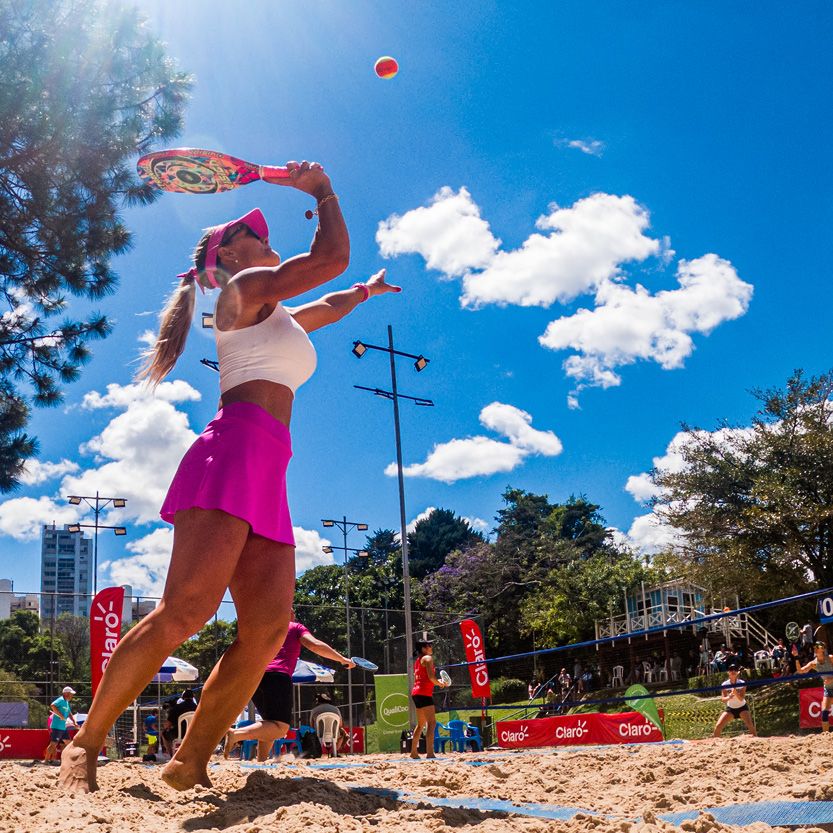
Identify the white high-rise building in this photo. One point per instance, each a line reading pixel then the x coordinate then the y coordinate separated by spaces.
pixel 66 572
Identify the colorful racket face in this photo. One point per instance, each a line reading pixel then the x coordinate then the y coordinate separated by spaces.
pixel 196 171
pixel 361 662
pixel 445 678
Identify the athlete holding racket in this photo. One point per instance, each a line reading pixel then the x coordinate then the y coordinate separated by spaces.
pixel 227 501
pixel 425 678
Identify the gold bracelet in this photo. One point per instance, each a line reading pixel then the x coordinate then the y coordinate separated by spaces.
pixel 310 214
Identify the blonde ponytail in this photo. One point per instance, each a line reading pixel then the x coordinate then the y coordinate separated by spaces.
pixel 174 324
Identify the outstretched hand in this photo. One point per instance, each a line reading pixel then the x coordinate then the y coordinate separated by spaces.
pixel 376 284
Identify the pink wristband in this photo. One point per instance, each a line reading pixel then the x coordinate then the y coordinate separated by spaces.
pixel 363 287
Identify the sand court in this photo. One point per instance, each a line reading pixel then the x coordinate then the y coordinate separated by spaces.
pixel 630 789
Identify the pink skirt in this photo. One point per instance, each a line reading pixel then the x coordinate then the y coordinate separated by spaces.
pixel 238 464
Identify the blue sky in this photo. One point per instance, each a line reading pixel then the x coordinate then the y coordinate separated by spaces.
pixel 529 168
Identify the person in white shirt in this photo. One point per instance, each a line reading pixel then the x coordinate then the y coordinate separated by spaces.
pixel 733 695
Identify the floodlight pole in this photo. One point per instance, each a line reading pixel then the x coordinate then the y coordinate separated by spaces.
pixel 344 525
pixel 100 503
pixel 420 364
pixel 403 532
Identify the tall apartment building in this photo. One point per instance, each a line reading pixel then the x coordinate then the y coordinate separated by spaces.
pixel 66 572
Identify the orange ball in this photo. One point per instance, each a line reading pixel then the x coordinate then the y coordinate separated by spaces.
pixel 386 67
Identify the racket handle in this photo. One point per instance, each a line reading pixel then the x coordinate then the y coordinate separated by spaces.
pixel 273 171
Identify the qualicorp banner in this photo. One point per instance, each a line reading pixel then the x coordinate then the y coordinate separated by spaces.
pixel 392 716
pixel 476 653
pixel 105 629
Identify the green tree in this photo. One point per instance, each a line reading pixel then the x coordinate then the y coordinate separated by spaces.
pixel 84 88
pixel 26 651
pixel 434 537
pixel 572 596
pixel 758 501
pixel 74 634
pixel 206 646
pixel 13 689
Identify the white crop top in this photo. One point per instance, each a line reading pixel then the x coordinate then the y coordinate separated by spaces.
pixel 276 349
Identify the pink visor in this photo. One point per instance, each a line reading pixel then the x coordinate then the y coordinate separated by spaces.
pixel 254 220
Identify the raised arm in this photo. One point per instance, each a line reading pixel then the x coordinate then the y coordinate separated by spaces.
pixel 321 648
pixel 335 305
pixel 328 255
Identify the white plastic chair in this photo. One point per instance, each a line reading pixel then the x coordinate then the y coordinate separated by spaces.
pixel 662 673
pixel 763 661
pixel 327 726
pixel 647 672
pixel 674 672
pixel 182 724
pixel 618 678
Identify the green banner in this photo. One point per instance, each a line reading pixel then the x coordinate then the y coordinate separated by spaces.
pixel 636 698
pixel 391 709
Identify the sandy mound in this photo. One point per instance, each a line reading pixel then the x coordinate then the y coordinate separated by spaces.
pixel 627 787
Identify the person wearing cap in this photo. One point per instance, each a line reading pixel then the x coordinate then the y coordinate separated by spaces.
pixel 227 501
pixel 822 664
pixel 60 713
pixel 425 678
pixel 733 695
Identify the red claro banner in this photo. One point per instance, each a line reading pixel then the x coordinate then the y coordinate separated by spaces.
pixel 809 707
pixel 476 653
pixel 577 729
pixel 105 630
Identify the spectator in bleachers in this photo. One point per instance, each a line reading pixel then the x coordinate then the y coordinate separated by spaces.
pixel 778 653
pixel 675 666
pixel 564 682
pixel 719 663
pixel 532 688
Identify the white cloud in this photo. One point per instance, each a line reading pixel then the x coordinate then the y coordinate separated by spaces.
pixel 632 324
pixel 478 524
pixel 146 570
pixel 120 396
pixel 481 456
pixel 36 472
pixel 592 147
pixel 135 457
pixel 649 533
pixel 308 544
pixel 420 517
pixel 148 337
pixel 21 518
pixel 449 233
pixel 578 250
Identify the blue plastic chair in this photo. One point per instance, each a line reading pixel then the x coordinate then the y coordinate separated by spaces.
pixel 440 740
pixel 460 741
pixel 248 748
pixel 278 745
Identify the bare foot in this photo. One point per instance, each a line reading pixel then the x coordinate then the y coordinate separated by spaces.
pixel 431 757
pixel 177 775
pixel 78 770
pixel 415 757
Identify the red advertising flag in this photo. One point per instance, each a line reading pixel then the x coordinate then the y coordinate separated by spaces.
pixel 105 629
pixel 476 653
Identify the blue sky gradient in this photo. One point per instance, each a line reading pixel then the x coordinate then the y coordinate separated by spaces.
pixel 714 119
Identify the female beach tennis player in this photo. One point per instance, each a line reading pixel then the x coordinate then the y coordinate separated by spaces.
pixel 425 678
pixel 227 501
pixel 822 664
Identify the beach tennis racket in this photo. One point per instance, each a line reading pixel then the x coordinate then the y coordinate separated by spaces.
pixel 361 662
pixel 444 678
pixel 196 171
